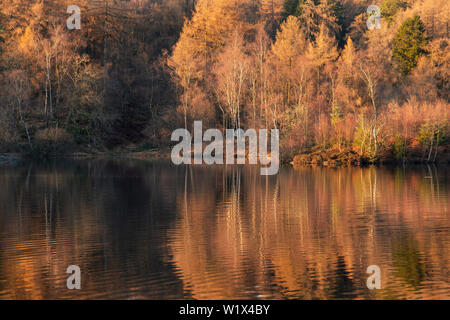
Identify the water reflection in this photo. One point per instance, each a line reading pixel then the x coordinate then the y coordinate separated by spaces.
pixel 142 230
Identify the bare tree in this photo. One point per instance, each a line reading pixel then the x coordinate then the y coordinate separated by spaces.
pixel 18 93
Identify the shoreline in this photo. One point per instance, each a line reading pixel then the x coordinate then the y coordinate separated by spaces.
pixel 314 159
pixel 347 157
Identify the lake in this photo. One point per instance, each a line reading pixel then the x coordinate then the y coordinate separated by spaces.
pixel 151 230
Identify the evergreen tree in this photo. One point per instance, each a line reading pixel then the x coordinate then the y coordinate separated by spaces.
pixel 337 10
pixel 409 44
pixel 290 8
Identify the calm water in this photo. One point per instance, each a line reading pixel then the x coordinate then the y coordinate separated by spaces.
pixel 141 230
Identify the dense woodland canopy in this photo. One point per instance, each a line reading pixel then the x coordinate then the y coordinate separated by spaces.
pixel 137 69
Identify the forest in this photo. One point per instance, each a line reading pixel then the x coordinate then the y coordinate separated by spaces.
pixel 138 69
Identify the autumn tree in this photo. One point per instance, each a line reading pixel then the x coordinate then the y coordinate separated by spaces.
pixel 310 68
pixel 207 31
pixel 389 8
pixel 357 31
pixel 270 14
pixel 200 42
pixel 440 60
pixel 429 80
pixel 322 51
pixel 231 72
pixel 349 81
pixel 316 13
pixel 259 76
pixel 289 45
pixel 289 42
pixel 345 89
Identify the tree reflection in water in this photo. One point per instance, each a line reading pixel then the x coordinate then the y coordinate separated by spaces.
pixel 151 230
